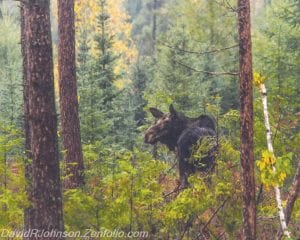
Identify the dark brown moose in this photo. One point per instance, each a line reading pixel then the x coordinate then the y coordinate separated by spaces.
pixel 181 134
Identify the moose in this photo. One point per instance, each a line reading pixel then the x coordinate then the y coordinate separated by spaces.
pixel 180 134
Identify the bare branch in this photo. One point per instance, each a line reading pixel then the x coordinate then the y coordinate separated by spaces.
pixel 226 4
pixel 196 52
pixel 207 72
pixel 221 235
pixel 215 213
pixel 260 193
pixel 176 190
pixel 22 1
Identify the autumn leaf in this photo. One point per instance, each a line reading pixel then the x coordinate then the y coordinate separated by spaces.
pixel 258 79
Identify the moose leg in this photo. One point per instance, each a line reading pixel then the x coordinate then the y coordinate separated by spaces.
pixel 183 174
pixel 183 177
pixel 185 168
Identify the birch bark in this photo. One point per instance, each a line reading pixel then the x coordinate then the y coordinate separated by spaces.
pixel 282 219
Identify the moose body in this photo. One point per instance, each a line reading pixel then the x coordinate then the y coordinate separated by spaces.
pixel 181 134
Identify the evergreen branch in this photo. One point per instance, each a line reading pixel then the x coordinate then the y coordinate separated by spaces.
pixel 110 98
pixel 207 72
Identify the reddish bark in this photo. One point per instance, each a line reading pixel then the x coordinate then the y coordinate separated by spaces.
pixel 41 119
pixel 68 95
pixel 26 128
pixel 246 118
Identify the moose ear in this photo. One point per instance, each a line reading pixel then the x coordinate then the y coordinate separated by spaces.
pixel 172 110
pixel 156 113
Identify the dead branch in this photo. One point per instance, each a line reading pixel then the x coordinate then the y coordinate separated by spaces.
pixel 196 52
pixel 207 72
pixel 260 193
pixel 227 5
pixel 215 213
pixel 176 190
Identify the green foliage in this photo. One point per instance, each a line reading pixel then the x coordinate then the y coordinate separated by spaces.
pixel 125 187
pixel 79 210
pixel 202 150
pixel 13 199
pixel 95 77
pixel 273 171
pixel 184 66
pixel 129 190
pixel 139 84
pixel 276 55
pixel 106 110
pixel 10 72
pixel 142 12
pixel 196 204
pixel 122 188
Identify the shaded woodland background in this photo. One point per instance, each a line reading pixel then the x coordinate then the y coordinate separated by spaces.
pixel 136 54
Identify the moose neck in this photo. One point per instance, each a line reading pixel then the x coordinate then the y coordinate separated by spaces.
pixel 181 124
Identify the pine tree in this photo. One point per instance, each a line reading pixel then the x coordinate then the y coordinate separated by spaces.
pixel 246 119
pixel 68 95
pixel 10 88
pixel 104 62
pixel 97 92
pixel 45 190
pixel 86 88
pixel 139 85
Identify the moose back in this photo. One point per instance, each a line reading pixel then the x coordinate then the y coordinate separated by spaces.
pixel 181 134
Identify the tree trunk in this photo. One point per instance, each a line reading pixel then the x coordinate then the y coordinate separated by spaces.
pixel 68 95
pixel 26 127
pixel 291 199
pixel 246 118
pixel 271 150
pixel 46 199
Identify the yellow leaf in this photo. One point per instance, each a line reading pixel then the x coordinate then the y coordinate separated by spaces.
pixel 258 79
pixel 118 26
pixel 268 158
pixel 282 176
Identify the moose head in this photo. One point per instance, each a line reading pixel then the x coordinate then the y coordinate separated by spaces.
pixel 168 127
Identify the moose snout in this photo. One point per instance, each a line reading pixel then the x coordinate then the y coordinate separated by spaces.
pixel 149 137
